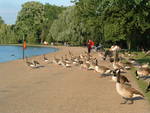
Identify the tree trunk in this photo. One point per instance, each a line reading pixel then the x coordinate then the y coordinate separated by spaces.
pixel 129 44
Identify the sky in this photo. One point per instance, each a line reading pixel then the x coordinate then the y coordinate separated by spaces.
pixel 10 8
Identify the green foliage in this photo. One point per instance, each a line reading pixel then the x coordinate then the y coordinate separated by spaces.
pixel 124 22
pixel 63 29
pixel 1 20
pixel 30 20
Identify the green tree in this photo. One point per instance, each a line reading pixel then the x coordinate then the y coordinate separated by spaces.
pixel 1 20
pixel 30 20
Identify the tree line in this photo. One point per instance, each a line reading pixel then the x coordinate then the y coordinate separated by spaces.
pixel 122 22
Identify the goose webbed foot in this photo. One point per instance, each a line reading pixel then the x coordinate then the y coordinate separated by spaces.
pixel 131 102
pixel 125 101
pixel 147 89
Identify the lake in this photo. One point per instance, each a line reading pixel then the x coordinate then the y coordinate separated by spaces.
pixel 9 53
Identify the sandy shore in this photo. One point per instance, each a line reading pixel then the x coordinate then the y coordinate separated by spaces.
pixel 54 89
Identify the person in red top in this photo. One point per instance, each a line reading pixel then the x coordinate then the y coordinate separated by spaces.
pixel 90 44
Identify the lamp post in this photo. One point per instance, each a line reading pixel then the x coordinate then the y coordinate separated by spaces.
pixel 23 47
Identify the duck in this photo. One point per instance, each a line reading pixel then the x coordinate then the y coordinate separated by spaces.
pixel 128 93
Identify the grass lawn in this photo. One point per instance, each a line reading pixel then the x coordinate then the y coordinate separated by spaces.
pixel 141 58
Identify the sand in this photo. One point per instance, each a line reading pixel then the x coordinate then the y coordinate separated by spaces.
pixel 54 89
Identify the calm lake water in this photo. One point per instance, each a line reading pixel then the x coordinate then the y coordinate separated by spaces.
pixel 9 53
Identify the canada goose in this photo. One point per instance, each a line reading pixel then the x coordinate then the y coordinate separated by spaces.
pixel 146 65
pixel 63 63
pixel 115 48
pixel 85 65
pixel 111 59
pixel 27 62
pixel 70 53
pixel 101 69
pixel 126 65
pixel 35 64
pixel 93 63
pixel 101 55
pixel 75 63
pixel 107 53
pixel 67 65
pixel 75 60
pixel 131 60
pixel 142 72
pixel 123 79
pixel 147 53
pixel 45 59
pixel 55 60
pixel 128 93
pixel 117 66
pixel 81 56
pixel 67 60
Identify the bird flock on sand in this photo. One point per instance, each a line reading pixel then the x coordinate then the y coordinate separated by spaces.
pixel 120 62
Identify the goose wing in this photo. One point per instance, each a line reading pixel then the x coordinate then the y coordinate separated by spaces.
pixel 134 91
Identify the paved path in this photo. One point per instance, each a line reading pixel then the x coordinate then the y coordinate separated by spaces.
pixel 53 89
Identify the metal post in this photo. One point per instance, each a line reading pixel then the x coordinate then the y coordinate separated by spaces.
pixel 23 48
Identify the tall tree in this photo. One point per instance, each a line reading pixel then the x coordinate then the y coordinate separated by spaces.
pixel 1 20
pixel 30 20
